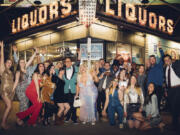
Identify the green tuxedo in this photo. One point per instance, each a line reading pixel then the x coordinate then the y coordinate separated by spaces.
pixel 70 85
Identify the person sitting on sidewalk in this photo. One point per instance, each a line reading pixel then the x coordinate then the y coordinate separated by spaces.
pixel 152 117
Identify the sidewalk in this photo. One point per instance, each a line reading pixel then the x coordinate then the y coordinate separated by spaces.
pixel 101 128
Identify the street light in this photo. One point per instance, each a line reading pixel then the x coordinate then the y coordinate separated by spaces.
pixel 37 2
pixel 145 1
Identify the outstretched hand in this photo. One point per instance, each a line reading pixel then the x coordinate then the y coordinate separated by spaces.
pixel 159 45
pixel 14 47
pixel 36 50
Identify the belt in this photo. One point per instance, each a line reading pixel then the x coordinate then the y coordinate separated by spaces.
pixel 175 86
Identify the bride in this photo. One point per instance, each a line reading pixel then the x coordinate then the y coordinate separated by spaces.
pixel 87 92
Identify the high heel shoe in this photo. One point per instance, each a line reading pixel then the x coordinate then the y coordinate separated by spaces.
pixel 19 123
pixel 45 122
pixel 4 127
pixel 161 126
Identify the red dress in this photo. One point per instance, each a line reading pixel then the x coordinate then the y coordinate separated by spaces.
pixel 32 95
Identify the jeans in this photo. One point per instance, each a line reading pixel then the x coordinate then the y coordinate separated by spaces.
pixel 111 114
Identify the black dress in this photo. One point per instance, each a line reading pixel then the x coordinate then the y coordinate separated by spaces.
pixel 58 95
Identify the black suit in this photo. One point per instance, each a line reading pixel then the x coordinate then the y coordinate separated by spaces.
pixel 101 92
pixel 174 95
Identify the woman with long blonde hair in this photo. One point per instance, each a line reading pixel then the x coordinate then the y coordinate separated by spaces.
pixel 87 92
pixel 114 103
pixel 133 102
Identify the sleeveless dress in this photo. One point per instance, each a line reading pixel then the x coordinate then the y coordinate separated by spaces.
pixel 88 96
pixel 34 110
pixel 114 106
pixel 59 91
pixel 7 84
pixel 21 95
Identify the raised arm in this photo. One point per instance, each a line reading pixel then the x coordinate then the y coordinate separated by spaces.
pixel 2 57
pixel 32 58
pixel 161 62
pixel 16 81
pixel 35 78
pixel 94 76
pixel 16 59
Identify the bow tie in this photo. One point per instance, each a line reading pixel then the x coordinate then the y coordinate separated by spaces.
pixel 68 68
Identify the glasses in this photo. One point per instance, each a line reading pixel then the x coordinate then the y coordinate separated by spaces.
pixel 67 61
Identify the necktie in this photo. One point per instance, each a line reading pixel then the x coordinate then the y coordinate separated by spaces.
pixel 169 77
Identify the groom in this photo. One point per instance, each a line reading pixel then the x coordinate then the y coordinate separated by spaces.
pixel 70 78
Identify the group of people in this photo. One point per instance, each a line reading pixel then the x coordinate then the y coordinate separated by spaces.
pixel 103 89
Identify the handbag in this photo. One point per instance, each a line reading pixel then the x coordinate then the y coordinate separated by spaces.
pixel 77 102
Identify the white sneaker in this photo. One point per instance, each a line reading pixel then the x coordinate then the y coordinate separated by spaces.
pixel 93 123
pixel 121 126
pixel 83 122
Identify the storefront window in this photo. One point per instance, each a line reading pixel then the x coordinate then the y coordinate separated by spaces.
pixel 129 53
pixel 29 53
pixel 22 55
pixel 58 51
pixel 138 54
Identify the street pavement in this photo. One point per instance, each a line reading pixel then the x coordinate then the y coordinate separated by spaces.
pixel 101 128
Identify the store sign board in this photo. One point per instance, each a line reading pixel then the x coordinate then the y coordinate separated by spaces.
pixel 125 11
pixel 140 16
pixel 42 15
pixel 96 51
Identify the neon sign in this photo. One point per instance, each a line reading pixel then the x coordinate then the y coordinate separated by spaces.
pixel 127 11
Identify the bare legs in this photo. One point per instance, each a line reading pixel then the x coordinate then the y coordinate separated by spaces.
pixel 66 108
pixel 63 109
pixel 145 124
pixel 8 104
pixel 134 124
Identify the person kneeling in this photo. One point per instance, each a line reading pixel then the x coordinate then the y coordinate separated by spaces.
pixel 114 104
pixel 152 117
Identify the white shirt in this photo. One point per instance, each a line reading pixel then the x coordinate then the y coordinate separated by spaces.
pixel 69 73
pixel 132 97
pixel 175 80
pixel 123 83
pixel 104 83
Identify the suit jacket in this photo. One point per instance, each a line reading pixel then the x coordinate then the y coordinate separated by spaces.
pixel 108 81
pixel 72 82
pixel 175 67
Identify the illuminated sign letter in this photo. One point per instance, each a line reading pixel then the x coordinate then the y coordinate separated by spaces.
pixel 142 16
pixel 162 23
pixel 53 10
pixel 131 13
pixel 170 28
pixel 119 8
pixel 43 15
pixel 108 10
pixel 25 23
pixel 67 7
pixel 33 18
pixel 14 30
pixel 152 20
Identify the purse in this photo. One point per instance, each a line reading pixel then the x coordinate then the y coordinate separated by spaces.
pixel 77 102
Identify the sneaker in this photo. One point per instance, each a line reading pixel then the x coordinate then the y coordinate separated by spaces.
pixel 75 123
pixel 121 126
pixel 83 122
pixel 93 123
pixel 66 121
